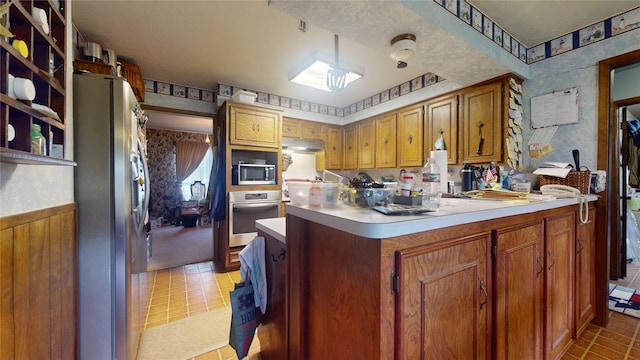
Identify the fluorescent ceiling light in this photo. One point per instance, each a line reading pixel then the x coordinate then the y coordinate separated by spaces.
pixel 315 75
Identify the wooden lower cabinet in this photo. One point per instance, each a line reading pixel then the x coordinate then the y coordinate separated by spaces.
pixel 497 289
pixel 585 294
pixel 272 331
pixel 518 289
pixel 443 304
pixel 559 270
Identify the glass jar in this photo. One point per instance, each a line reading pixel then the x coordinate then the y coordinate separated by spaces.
pixel 38 142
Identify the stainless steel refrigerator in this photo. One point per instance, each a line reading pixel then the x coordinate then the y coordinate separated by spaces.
pixel 111 190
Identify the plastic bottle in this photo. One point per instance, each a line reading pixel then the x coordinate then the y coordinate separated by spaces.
pixel 38 142
pixel 315 196
pixel 431 185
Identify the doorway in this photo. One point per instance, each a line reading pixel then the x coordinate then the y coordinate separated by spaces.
pixel 609 228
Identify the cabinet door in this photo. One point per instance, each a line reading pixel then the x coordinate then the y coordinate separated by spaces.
pixel 481 124
pixel 333 148
pixel 312 130
pixel 272 331
pixel 442 307
pixel 291 128
pixel 560 270
pixel 410 136
pixel 386 141
pixel 252 126
pixel 519 274
pixel 366 144
pixel 350 147
pixel 585 272
pixel 442 120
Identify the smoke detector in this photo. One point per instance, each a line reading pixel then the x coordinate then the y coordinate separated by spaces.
pixel 402 48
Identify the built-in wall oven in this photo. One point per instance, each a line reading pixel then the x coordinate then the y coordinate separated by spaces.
pixel 245 207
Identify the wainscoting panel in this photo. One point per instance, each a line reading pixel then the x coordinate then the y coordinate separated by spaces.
pixel 38 284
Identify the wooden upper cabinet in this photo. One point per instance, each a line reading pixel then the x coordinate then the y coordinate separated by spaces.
pixel 386 141
pixel 431 325
pixel 350 147
pixel 333 148
pixel 481 124
pixel 313 130
pixel 442 120
pixel 366 144
pixel 409 136
pixel 254 126
pixel 518 288
pixel 291 128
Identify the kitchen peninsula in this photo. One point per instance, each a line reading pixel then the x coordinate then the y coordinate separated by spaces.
pixel 478 279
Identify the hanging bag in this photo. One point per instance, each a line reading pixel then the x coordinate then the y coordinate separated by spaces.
pixel 245 318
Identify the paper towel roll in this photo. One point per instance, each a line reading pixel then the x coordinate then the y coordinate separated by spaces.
pixel 440 157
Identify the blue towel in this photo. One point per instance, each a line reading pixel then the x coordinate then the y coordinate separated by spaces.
pixel 252 267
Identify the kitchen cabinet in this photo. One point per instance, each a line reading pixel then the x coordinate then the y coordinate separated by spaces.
pixel 16 115
pixel 291 128
pixel 442 120
pixel 481 124
pixel 302 129
pixel 497 288
pixel 366 144
pixel 385 141
pixel 443 302
pixel 518 291
pixel 333 148
pixel 251 125
pixel 560 274
pixel 585 294
pixel 273 328
pixel 312 130
pixel 350 147
pixel 409 131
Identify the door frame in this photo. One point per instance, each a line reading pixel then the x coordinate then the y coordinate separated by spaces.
pixel 608 207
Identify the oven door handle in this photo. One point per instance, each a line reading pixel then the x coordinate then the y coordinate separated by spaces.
pixel 253 206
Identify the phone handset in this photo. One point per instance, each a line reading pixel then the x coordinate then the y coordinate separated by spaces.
pixel 560 191
pixel 563 191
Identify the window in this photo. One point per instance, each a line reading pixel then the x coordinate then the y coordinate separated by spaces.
pixel 202 173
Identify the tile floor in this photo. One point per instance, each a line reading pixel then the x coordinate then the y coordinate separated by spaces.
pixel 192 289
pixel 189 290
pixel 620 340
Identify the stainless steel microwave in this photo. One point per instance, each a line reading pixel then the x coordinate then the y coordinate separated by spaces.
pixel 254 174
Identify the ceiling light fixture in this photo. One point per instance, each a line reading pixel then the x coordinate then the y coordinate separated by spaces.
pixel 316 73
pixel 402 48
pixel 336 77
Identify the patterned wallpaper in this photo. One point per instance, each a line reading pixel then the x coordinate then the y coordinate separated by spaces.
pixel 161 150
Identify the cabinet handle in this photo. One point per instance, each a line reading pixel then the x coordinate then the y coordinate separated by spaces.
pixel 386 141
pixel 553 259
pixel 280 257
pixel 334 148
pixel 484 292
pixel 366 145
pixel 540 267
pixel 410 138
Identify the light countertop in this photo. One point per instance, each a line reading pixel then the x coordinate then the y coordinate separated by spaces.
pixel 453 211
pixel 274 227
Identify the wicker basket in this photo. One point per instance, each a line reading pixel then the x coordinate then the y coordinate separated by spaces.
pixel 131 72
pixel 577 179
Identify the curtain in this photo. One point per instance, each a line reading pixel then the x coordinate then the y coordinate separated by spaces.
pixel 189 155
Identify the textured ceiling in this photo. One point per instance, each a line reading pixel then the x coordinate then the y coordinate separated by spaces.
pixel 255 43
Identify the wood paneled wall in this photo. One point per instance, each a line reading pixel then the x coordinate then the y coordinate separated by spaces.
pixel 38 284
